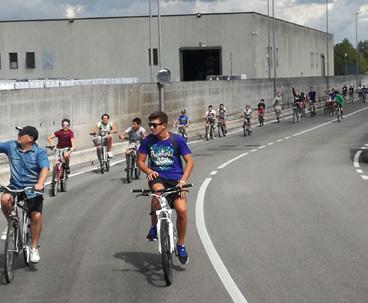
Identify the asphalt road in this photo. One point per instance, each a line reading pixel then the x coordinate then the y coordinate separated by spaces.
pixel 287 218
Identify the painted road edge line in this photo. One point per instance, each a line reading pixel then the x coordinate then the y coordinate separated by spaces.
pixel 214 257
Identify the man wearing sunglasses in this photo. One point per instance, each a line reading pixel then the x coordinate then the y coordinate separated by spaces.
pixel 165 169
pixel 66 139
pixel 29 166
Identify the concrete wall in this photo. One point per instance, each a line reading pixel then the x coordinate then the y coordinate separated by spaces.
pixel 118 47
pixel 84 105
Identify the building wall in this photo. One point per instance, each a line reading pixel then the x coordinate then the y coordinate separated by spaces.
pixel 118 47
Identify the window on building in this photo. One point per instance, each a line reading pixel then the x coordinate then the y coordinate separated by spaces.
pixel 13 60
pixel 30 60
pixel 312 59
pixel 155 56
pixel 316 60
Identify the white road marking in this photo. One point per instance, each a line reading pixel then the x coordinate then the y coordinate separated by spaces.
pixel 356 159
pixel 271 143
pixel 364 177
pixel 232 160
pixel 213 173
pixel 364 147
pixel 254 150
pixel 359 171
pixel 287 138
pixel 279 140
pixel 261 147
pixel 214 257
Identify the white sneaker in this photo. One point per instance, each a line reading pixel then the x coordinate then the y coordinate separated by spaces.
pixel 110 154
pixel 4 234
pixel 34 257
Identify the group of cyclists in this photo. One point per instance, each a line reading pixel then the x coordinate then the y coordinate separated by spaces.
pixel 29 164
pixel 29 167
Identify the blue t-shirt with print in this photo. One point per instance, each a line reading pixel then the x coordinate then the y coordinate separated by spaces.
pixel 183 119
pixel 163 158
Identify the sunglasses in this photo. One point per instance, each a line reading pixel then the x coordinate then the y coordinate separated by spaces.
pixel 65 124
pixel 154 125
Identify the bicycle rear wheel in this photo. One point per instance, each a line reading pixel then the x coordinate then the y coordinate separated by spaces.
pixel 107 165
pixel 166 256
pixel 54 185
pixel 137 171
pixel 10 252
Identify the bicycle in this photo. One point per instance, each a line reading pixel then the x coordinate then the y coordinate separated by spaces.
pixel 338 113
pixel 247 130
pixel 296 113
pixel 59 174
pixel 166 230
pixel 18 238
pixel 100 142
pixel 261 113
pixel 182 131
pixel 277 109
pixel 210 128
pixel 221 128
pixel 131 162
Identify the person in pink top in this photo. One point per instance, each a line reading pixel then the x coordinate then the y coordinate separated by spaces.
pixel 66 139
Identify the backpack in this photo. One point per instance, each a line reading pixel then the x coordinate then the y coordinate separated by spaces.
pixel 152 140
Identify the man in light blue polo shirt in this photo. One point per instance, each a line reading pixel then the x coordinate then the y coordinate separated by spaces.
pixel 29 166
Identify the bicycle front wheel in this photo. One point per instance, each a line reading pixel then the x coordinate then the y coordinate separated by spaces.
pixel 64 178
pixel 166 256
pixel 26 239
pixel 54 185
pixel 10 252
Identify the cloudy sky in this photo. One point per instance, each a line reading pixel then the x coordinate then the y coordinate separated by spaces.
pixel 310 13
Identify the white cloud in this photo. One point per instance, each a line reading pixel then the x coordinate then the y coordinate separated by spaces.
pixel 71 11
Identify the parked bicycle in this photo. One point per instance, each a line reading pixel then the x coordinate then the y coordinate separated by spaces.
pixel 166 231
pixel 131 162
pixel 210 128
pixel 18 237
pixel 100 141
pixel 182 131
pixel 59 173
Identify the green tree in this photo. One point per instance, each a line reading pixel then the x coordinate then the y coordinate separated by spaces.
pixel 345 56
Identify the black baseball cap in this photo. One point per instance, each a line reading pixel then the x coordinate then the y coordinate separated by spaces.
pixel 28 130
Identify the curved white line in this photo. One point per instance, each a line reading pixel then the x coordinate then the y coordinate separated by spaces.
pixel 215 259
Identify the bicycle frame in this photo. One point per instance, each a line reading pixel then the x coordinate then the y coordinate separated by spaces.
pixel 59 161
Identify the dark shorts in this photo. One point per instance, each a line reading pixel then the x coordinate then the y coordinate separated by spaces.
pixel 34 204
pixel 167 184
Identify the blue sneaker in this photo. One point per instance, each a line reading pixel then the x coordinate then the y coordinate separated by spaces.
pixel 152 234
pixel 182 254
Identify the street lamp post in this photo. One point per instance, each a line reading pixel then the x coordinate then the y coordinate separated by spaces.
pixel 357 49
pixel 327 52
pixel 274 49
pixel 346 66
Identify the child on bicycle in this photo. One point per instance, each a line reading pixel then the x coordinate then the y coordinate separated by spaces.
pixel 66 139
pixel 105 125
pixel 182 121
pixel 134 134
pixel 247 115
pixel 164 151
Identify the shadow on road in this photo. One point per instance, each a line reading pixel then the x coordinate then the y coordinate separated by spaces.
pixel 147 264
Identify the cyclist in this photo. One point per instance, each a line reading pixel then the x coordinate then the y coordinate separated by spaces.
pixel 165 169
pixel 182 120
pixel 277 104
pixel 210 114
pixel 339 102
pixel 351 94
pixel 261 108
pixel 135 134
pixel 312 97
pixel 29 166
pixel 105 125
pixel 247 115
pixel 65 139
pixel 221 116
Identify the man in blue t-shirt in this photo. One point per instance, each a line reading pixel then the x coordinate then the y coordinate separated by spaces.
pixel 164 170
pixel 29 167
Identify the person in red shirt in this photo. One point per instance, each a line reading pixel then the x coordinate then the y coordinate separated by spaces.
pixel 65 139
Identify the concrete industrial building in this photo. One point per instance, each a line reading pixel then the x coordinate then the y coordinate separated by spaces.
pixel 193 47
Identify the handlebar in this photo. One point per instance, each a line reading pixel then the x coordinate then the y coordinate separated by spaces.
pixel 165 190
pixel 17 191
